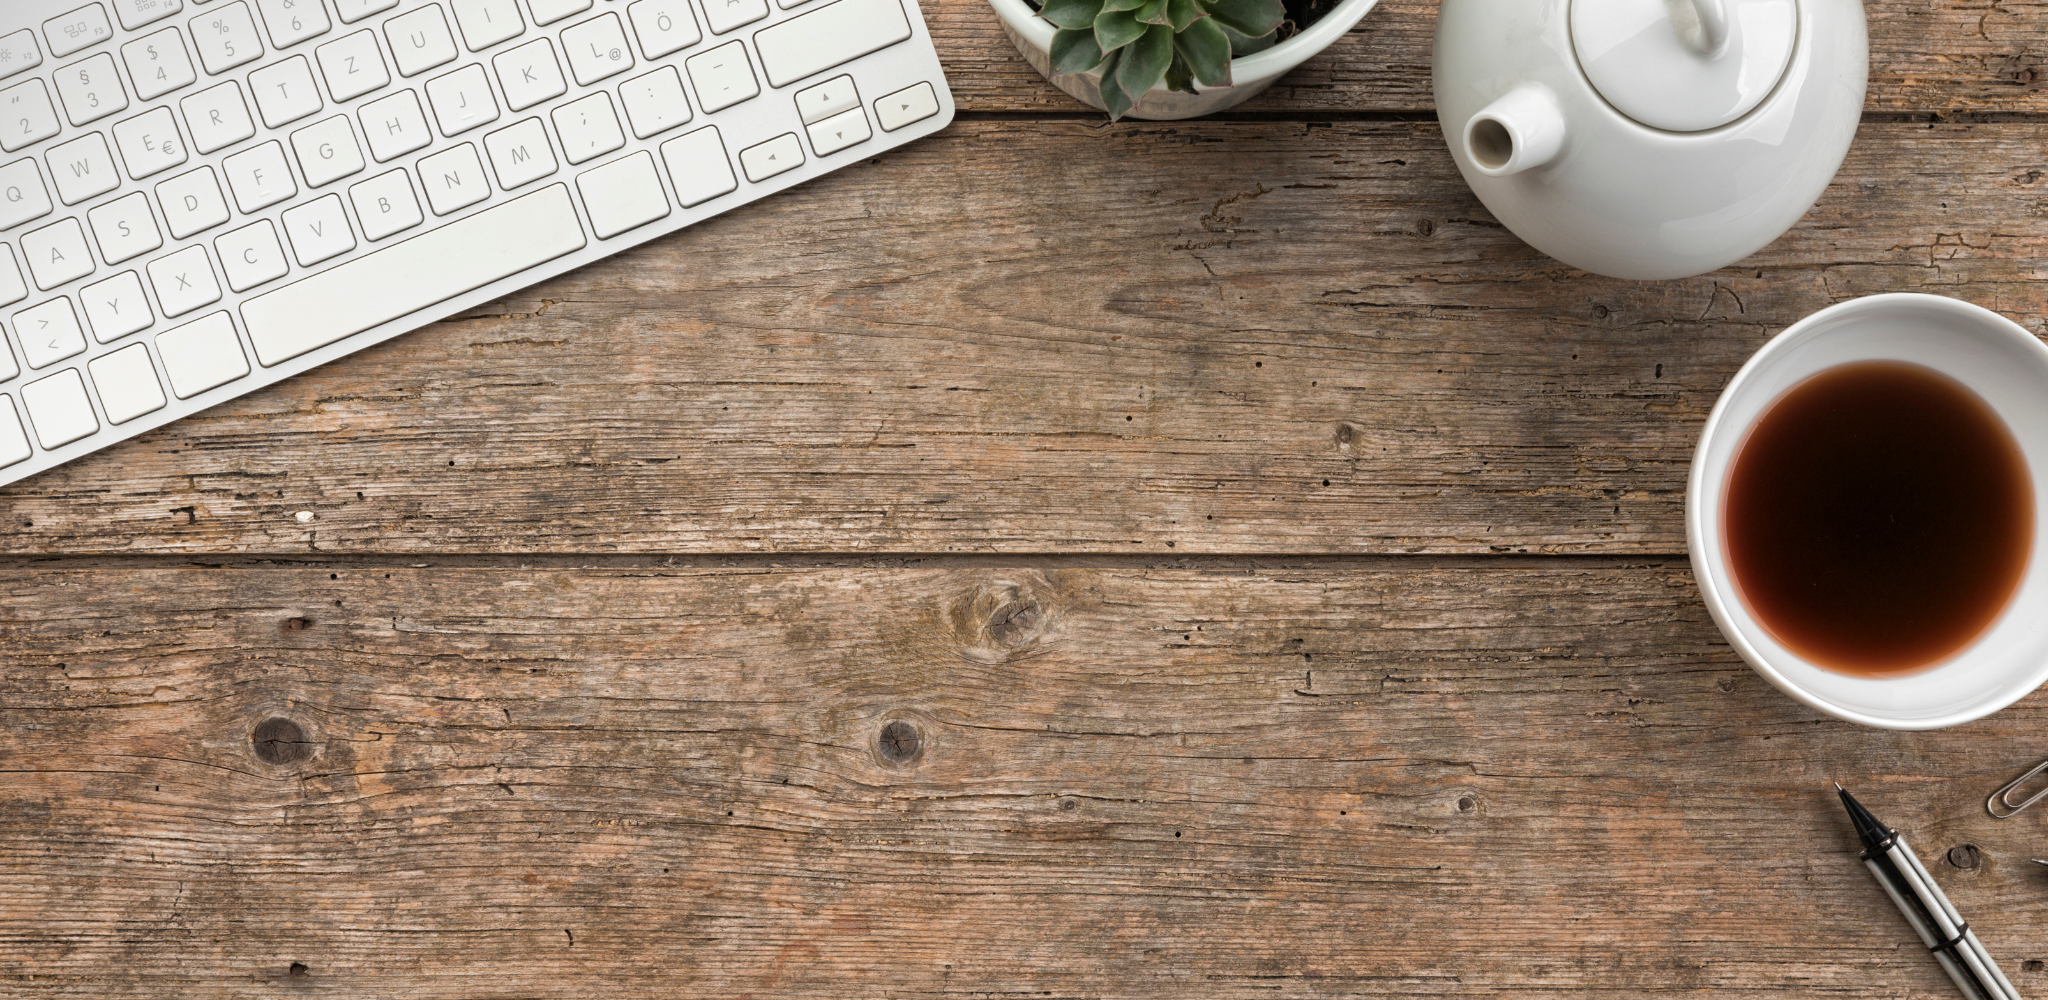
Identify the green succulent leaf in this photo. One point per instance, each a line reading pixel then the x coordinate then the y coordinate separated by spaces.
pixel 1115 29
pixel 1249 17
pixel 1242 44
pixel 1123 4
pixel 1178 77
pixel 1207 51
pixel 1074 50
pixel 1181 13
pixel 1072 13
pixel 1113 96
pixel 1154 12
pixel 1144 63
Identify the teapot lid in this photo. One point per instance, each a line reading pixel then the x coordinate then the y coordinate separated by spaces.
pixel 1684 65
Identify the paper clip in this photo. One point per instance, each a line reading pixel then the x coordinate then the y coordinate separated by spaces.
pixel 2003 797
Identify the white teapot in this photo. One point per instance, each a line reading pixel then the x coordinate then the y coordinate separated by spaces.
pixel 1649 138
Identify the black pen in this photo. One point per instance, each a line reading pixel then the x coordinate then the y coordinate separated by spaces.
pixel 1926 908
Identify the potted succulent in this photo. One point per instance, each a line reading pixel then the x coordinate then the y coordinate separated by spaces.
pixel 1165 59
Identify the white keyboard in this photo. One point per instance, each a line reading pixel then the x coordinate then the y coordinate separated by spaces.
pixel 200 197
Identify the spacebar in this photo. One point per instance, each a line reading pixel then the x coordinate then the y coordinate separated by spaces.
pixel 406 277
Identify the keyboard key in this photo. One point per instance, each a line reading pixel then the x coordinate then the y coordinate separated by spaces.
pixel 911 104
pixel 293 21
pixel 318 230
pixel 13 287
pixel 420 40
pixel 834 96
pixel 26 115
pixel 124 228
pixel 848 128
pixel 454 179
pixel 149 143
pixel 225 37
pixel 597 49
pixel 259 177
pixel 327 151
pixel 284 91
pixel 520 154
pixel 485 23
pixel 588 127
pixel 127 384
pixel 623 194
pixel 90 89
pixel 134 14
pixel 462 100
pixel 83 168
pixel 352 11
pixel 250 256
pixel 664 26
pixel 22 194
pixel 82 27
pixel 8 369
pixel 838 32
pixel 48 333
pixel 394 126
pixel 726 15
pixel 116 307
pixel 203 354
pixel 19 52
pixel 529 74
pixel 722 77
pixel 59 409
pixel 158 64
pixel 13 440
pixel 550 11
pixel 218 117
pixel 435 266
pixel 352 66
pixel 192 202
pixel 57 253
pixel 775 156
pixel 655 102
pixel 385 205
pixel 183 281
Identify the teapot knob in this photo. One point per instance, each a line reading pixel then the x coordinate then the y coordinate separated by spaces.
pixel 1713 16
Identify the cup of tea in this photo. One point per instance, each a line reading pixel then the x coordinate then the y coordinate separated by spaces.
pixel 1865 514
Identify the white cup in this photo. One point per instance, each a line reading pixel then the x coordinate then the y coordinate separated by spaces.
pixel 1994 357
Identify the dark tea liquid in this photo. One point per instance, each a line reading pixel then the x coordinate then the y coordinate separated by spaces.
pixel 1878 518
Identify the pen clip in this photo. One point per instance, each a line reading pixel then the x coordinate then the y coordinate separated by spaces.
pixel 2003 797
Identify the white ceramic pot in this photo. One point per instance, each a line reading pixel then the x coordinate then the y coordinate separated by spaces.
pixel 1248 75
pixel 1649 139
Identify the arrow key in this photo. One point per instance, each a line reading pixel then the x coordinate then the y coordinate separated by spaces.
pixel 772 157
pixel 911 104
pixel 848 128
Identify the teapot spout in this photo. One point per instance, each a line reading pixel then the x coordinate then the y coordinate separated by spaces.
pixel 1522 130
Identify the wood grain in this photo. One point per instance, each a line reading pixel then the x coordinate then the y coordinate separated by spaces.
pixel 1926 56
pixel 1535 777
pixel 1273 337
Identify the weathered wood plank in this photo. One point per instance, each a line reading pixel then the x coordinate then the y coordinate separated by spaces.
pixel 1521 778
pixel 1272 338
pixel 1926 56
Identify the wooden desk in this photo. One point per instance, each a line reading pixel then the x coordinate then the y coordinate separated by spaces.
pixel 1278 566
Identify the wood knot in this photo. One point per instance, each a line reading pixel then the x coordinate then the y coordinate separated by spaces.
pixel 998 620
pixel 2033 965
pixel 1965 856
pixel 298 970
pixel 278 740
pixel 899 743
pixel 1466 804
pixel 297 624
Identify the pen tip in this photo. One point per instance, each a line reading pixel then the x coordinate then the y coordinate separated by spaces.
pixel 2038 861
pixel 1839 788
